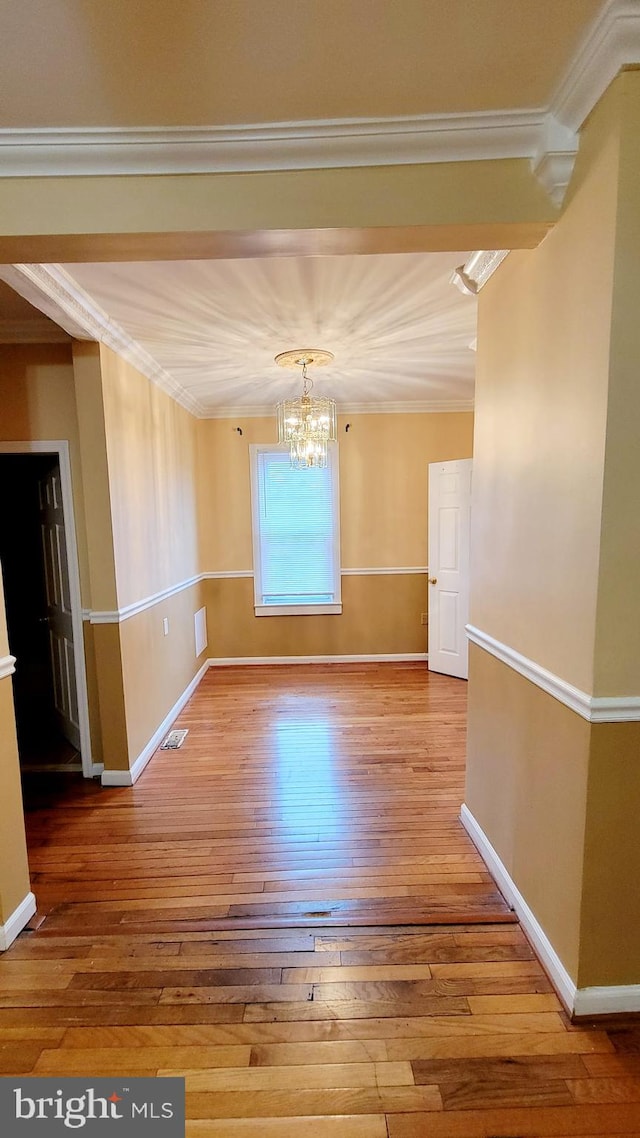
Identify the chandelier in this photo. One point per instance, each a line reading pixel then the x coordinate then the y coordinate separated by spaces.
pixel 306 424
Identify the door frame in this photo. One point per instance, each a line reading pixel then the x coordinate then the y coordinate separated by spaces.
pixel 59 448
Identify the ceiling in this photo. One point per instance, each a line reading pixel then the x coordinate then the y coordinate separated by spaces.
pixel 399 331
pixel 73 63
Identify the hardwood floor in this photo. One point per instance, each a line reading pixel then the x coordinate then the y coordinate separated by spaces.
pixel 287 912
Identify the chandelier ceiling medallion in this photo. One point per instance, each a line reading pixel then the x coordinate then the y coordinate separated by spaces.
pixel 306 424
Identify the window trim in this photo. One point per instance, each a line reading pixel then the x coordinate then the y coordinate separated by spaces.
pixel 329 608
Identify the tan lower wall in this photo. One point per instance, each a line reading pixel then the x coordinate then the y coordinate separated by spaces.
pixel 93 699
pixel 156 668
pixel 14 868
pixel 527 769
pixel 107 662
pixel 380 614
pixel 610 928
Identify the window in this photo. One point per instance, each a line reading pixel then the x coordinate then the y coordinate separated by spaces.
pixel 296 534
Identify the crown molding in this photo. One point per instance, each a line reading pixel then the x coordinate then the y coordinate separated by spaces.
pixel 482 264
pixel 50 289
pixel 304 145
pixel 408 407
pixel 476 271
pixel 609 44
pixel 417 407
pixel 547 136
pixel 553 171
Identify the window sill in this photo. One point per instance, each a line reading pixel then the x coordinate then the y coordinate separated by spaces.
pixel 299 610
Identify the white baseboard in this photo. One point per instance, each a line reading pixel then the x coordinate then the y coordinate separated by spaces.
pixel 614 1000
pixel 549 958
pixel 378 658
pixel 16 922
pixel 578 1001
pixel 128 777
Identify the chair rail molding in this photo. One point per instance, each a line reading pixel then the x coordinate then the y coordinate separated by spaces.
pixel 595 709
pixel 7 666
pixel 117 616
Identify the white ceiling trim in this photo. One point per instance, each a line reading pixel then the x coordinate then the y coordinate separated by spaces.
pixel 310 145
pixel 50 289
pixel 547 136
pixel 612 42
pixel 399 407
pixel 471 277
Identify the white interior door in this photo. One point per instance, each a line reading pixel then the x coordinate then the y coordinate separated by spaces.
pixel 59 612
pixel 449 513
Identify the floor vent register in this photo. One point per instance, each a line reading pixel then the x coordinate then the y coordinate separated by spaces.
pixel 173 740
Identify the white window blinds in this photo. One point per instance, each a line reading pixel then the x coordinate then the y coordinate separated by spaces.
pixel 296 534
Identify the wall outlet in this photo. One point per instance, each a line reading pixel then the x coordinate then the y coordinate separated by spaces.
pixel 424 619
pixel 165 625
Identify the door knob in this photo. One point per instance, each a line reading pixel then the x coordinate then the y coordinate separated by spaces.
pixel 433 580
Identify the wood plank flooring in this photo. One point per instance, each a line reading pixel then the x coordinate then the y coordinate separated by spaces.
pixel 288 913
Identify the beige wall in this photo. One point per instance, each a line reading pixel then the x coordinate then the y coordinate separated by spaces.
pixel 37 402
pixel 157 668
pixel 95 474
pixel 150 447
pixel 383 512
pixel 14 868
pixel 610 922
pixel 383 485
pixel 527 768
pixel 617 669
pixel 47 393
pixel 541 404
pixel 466 201
pixel 380 614
pixel 151 450
pixel 555 556
pixel 133 455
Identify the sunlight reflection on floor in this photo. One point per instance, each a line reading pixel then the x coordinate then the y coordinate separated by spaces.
pixel 308 796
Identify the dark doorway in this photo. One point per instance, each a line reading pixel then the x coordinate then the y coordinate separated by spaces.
pixel 33 557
